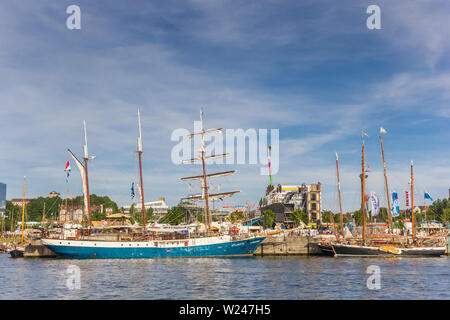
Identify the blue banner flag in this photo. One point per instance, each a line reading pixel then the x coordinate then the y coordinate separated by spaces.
pixel 132 190
pixel 395 205
pixel 427 196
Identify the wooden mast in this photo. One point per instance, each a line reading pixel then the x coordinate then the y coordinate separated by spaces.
pixel 363 182
pixel 387 188
pixel 86 158
pixel 139 151
pixel 205 196
pixel 205 184
pixel 43 216
pixel 23 209
pixel 412 202
pixel 339 195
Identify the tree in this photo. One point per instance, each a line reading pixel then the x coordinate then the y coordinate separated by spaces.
pixel 268 218
pixel 174 216
pixel 299 215
pixel 236 216
pixel 137 216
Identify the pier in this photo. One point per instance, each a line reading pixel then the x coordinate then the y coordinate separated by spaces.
pixel 288 245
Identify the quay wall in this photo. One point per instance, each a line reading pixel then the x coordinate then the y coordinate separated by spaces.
pixel 36 250
pixel 288 245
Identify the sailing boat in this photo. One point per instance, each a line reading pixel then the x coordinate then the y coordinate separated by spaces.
pixel 18 252
pixel 361 249
pixel 155 246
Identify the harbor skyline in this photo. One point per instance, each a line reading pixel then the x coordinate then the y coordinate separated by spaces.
pixel 261 66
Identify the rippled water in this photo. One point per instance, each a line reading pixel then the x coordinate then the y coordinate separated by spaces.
pixel 232 278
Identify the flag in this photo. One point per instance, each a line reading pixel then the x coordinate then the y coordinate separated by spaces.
pixel 407 198
pixel 132 190
pixel 364 134
pixel 382 130
pixel 375 203
pixel 395 205
pixel 67 170
pixel 427 196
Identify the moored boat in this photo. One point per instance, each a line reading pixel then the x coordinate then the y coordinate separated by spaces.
pixel 340 249
pixel 220 246
pixel 152 245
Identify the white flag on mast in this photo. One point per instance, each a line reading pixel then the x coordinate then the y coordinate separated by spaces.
pixel 375 204
pixel 382 130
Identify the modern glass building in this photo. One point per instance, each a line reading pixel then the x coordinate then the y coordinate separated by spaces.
pixel 2 197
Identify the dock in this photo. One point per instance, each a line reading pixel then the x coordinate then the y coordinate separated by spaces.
pixel 38 250
pixel 288 245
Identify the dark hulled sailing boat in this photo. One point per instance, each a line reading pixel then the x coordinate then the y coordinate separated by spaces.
pixel 363 249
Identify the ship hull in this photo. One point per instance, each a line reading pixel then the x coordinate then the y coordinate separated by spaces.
pixel 356 250
pixel 205 247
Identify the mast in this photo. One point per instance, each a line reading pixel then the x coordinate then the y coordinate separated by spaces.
pixel 270 167
pixel 412 202
pixel 363 182
pixel 205 184
pixel 23 208
pixel 86 158
pixel 339 195
pixel 139 151
pixel 205 196
pixel 43 216
pixel 386 185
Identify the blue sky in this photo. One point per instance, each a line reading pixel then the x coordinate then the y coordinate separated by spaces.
pixel 311 69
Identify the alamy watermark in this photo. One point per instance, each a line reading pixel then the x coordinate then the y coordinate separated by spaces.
pixel 374 281
pixel 73 281
pixel 243 147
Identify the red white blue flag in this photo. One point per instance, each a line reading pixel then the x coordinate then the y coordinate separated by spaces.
pixel 67 170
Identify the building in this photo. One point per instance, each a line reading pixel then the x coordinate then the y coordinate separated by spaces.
pixel 307 198
pixel 18 202
pixel 159 207
pixel 2 198
pixel 54 194
pixel 76 213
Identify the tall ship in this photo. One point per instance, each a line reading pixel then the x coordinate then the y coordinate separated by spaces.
pixel 148 243
pixel 365 247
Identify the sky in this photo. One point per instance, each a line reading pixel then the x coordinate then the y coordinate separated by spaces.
pixel 310 68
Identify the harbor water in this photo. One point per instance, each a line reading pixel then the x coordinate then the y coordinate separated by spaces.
pixel 292 277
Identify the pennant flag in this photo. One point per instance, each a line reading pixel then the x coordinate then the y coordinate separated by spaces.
pixel 67 170
pixel 382 130
pixel 395 205
pixel 427 196
pixel 364 134
pixel 132 190
pixel 375 203
pixel 407 198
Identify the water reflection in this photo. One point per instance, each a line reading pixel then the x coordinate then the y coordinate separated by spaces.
pixel 232 278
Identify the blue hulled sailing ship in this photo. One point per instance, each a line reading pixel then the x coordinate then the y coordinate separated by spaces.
pixel 209 243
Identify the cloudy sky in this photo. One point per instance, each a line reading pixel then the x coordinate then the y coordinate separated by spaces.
pixel 310 68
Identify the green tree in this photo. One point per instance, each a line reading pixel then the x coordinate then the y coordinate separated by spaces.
pixel 174 216
pixel 236 216
pixel 299 215
pixel 268 218
pixel 137 216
